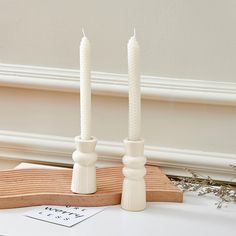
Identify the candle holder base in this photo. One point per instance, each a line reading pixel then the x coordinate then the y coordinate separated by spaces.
pixel 134 189
pixel 133 195
pixel 84 170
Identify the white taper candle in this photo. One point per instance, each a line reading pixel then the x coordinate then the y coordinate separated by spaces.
pixel 134 89
pixel 85 88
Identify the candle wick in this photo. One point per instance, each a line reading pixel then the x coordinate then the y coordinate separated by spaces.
pixel 134 32
pixel 83 32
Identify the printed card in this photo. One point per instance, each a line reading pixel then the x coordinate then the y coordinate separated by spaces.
pixel 63 215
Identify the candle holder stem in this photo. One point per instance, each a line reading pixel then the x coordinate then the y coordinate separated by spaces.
pixel 84 170
pixel 134 189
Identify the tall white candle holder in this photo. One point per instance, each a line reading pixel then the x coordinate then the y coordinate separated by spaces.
pixel 134 189
pixel 84 170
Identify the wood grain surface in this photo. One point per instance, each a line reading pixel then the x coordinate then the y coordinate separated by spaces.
pixel 31 187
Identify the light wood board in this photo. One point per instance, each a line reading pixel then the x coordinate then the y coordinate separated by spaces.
pixel 31 187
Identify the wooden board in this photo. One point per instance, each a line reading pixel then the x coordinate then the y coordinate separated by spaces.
pixel 31 187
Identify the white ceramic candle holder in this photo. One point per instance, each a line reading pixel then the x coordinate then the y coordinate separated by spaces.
pixel 134 189
pixel 84 170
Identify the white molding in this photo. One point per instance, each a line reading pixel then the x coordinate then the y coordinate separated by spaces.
pixel 153 87
pixel 54 149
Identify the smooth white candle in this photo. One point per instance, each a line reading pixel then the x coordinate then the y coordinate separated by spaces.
pixel 85 89
pixel 134 89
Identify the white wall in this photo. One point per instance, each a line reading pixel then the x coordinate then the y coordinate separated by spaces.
pixel 179 38
pixel 165 124
pixel 185 39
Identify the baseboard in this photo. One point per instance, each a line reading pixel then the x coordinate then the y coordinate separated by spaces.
pixel 54 149
pixel 153 87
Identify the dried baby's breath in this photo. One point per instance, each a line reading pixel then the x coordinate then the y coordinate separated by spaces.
pixel 224 192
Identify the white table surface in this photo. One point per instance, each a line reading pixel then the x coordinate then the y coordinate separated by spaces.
pixel 196 216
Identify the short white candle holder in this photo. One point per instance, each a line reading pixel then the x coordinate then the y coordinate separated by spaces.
pixel 134 188
pixel 84 170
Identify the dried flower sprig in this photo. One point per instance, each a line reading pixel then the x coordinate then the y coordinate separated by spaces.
pixel 224 192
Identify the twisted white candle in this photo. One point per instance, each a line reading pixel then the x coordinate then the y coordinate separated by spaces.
pixel 134 89
pixel 85 89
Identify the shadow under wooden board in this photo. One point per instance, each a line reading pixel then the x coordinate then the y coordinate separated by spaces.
pixel 32 187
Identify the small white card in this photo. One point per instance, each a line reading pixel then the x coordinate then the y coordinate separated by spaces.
pixel 63 215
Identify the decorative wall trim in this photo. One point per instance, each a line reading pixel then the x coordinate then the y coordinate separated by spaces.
pixel 45 148
pixel 154 88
